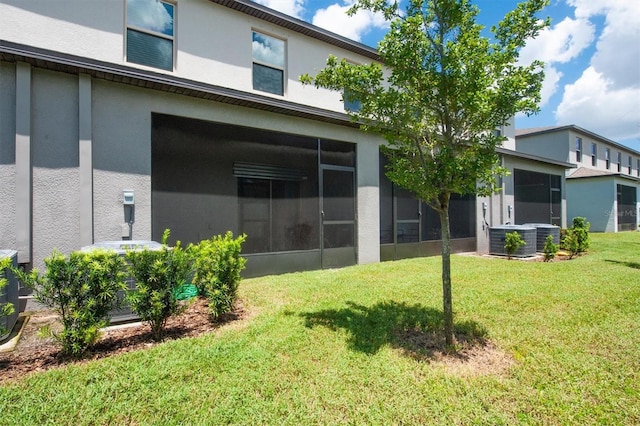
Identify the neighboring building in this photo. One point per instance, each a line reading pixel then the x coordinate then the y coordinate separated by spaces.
pixel 120 119
pixel 604 183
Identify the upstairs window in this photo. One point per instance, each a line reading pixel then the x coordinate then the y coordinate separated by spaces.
pixel 350 102
pixel 579 150
pixel 607 158
pixel 638 167
pixel 629 165
pixel 150 33
pixel 268 63
pixel 619 162
pixel 594 154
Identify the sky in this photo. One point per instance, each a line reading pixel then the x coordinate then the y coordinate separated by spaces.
pixel 591 53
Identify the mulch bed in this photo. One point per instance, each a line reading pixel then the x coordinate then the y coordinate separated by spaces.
pixel 34 353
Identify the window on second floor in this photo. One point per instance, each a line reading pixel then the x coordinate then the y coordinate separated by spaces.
pixel 594 154
pixel 150 33
pixel 638 167
pixel 268 63
pixel 619 162
pixel 579 150
pixel 607 157
pixel 629 165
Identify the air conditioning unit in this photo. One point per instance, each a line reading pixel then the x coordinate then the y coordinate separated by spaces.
pixel 9 293
pixel 124 313
pixel 497 235
pixel 543 230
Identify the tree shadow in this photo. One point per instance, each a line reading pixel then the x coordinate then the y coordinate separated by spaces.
pixel 414 329
pixel 633 265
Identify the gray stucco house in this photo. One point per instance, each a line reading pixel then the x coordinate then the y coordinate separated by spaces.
pixel 120 119
pixel 603 185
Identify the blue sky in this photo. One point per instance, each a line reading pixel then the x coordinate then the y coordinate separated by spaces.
pixel 591 52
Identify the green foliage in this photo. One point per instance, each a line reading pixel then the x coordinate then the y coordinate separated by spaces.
pixel 550 249
pixel 577 239
pixel 158 275
pixel 512 242
pixel 6 309
pixel 217 265
pixel 82 289
pixel 444 90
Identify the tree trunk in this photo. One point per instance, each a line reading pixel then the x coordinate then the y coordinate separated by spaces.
pixel 447 303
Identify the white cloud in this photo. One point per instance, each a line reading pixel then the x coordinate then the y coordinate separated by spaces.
pixel 334 18
pixel 606 97
pixel 556 45
pixel 290 7
pixel 149 14
pixel 592 103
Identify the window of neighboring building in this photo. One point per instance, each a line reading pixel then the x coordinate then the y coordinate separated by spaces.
pixel 579 150
pixel 350 102
pixel 607 157
pixel 268 63
pixel 150 33
pixel 619 162
pixel 629 165
pixel 594 154
pixel 638 167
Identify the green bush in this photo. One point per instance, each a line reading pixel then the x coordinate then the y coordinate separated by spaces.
pixel 550 249
pixel 217 265
pixel 512 242
pixel 6 309
pixel 82 289
pixel 158 275
pixel 581 232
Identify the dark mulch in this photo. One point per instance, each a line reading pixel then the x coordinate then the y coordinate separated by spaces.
pixel 34 353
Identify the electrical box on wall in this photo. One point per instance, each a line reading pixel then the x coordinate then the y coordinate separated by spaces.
pixel 128 198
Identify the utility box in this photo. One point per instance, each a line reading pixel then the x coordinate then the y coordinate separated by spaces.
pixel 497 236
pixel 124 313
pixel 543 230
pixel 9 294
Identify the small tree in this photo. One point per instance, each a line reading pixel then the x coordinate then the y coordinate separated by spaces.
pixel 512 242
pixel 6 309
pixel 217 266
pixel 82 289
pixel 580 230
pixel 158 275
pixel 445 90
pixel 550 249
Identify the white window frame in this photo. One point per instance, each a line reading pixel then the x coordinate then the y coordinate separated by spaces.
pixel 594 154
pixel 619 162
pixel 578 150
pixel 607 158
pixel 282 68
pixel 147 31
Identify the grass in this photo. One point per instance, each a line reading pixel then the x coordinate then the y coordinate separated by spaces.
pixel 325 347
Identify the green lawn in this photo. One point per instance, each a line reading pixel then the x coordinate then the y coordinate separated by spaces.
pixel 325 347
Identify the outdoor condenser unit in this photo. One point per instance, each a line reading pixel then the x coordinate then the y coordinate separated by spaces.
pixel 9 293
pixel 497 235
pixel 125 313
pixel 542 231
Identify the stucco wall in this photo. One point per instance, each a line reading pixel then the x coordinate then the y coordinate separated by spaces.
pixel 7 156
pixel 212 42
pixel 594 199
pixel 549 145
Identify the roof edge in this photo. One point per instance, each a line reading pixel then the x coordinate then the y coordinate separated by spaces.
pixel 505 151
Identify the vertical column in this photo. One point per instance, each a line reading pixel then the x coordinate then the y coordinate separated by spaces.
pixel 86 159
pixel 24 191
pixel 368 202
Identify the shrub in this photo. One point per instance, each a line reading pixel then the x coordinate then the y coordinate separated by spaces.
pixel 82 289
pixel 158 275
pixel 6 309
pixel 550 249
pixel 217 264
pixel 581 233
pixel 512 242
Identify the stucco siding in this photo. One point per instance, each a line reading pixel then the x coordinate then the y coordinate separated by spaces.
pixel 593 199
pixel 7 156
pixel 549 145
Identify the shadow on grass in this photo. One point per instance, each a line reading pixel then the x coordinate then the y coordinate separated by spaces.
pixel 414 329
pixel 634 265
